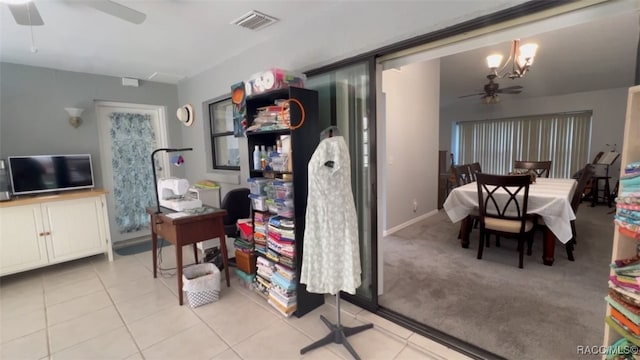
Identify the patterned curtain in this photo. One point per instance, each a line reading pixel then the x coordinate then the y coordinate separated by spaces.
pixel 133 140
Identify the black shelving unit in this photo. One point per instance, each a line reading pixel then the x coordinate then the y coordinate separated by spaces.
pixel 304 141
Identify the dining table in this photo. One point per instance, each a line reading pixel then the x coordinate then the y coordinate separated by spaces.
pixel 549 198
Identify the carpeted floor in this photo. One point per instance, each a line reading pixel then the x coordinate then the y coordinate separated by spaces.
pixel 539 312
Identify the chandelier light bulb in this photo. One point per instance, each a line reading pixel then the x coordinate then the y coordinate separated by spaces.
pixel 494 61
pixel 527 53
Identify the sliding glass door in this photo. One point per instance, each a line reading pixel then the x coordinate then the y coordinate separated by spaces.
pixel 345 99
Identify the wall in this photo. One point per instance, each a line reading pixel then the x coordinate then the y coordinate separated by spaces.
pixel 608 106
pixel 412 121
pixel 33 120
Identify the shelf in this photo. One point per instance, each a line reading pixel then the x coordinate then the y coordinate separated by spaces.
pixel 285 131
pixel 625 243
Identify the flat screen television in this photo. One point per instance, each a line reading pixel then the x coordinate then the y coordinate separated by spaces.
pixel 50 173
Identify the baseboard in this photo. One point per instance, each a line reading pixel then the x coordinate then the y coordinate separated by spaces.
pixel 130 242
pixel 409 223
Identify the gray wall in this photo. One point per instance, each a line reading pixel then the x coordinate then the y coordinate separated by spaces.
pixel 609 108
pixel 33 120
pixel 412 120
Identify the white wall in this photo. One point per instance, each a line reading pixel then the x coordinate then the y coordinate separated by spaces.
pixel 412 121
pixel 608 106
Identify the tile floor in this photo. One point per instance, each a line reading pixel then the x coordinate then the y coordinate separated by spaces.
pixel 91 308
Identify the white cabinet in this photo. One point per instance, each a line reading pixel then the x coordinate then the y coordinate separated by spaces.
pixel 41 231
pixel 22 239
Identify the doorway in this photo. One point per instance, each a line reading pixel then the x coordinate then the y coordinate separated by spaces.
pixel 145 128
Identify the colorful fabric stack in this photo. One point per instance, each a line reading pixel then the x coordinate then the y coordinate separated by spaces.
pixel 265 269
pixel 624 298
pixel 628 202
pixel 260 231
pixel 281 249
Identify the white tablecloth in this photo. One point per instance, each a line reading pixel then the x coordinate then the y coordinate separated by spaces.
pixel 549 198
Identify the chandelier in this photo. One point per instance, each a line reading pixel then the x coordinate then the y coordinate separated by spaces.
pixel 521 59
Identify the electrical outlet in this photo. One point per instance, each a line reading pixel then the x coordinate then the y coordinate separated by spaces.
pixel 415 205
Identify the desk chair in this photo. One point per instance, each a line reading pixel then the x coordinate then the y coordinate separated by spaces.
pixel 541 168
pixel 238 206
pixel 505 215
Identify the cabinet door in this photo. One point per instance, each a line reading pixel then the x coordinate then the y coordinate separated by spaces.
pixel 22 239
pixel 75 228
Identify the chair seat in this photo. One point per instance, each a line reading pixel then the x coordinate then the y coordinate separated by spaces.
pixel 510 226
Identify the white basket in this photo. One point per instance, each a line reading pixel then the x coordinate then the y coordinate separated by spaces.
pixel 201 283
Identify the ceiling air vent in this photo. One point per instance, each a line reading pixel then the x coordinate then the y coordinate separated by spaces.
pixel 254 20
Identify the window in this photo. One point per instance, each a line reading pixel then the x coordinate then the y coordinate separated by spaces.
pixel 224 146
pixel 562 138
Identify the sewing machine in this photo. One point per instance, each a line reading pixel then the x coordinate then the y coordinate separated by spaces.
pixel 171 193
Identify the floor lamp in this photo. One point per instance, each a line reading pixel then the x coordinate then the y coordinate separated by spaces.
pixel 153 166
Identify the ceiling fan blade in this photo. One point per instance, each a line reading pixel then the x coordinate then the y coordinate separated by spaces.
pixel 476 94
pixel 509 91
pixel 514 87
pixel 118 10
pixel 26 14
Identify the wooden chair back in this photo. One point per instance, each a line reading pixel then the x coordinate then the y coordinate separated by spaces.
pixel 585 176
pixel 463 174
pixel 541 168
pixel 474 168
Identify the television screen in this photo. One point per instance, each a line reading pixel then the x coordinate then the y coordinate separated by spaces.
pixel 47 173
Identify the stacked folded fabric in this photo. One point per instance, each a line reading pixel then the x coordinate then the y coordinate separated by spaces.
pixel 624 298
pixel 628 202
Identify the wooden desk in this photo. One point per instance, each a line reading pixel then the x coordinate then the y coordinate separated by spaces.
pixel 187 230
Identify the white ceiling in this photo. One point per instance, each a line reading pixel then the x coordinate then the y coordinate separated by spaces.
pixel 182 38
pixel 595 55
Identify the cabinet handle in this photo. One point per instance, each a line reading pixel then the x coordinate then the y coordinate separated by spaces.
pixel 48 233
pixel 42 234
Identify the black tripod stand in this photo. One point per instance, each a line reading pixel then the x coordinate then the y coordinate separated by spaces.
pixel 338 334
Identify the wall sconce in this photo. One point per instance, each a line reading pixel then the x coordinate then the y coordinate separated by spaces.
pixel 74 116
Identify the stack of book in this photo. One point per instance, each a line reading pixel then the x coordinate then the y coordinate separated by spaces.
pixel 260 231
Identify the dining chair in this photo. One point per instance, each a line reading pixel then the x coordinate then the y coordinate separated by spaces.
pixel 502 202
pixel 463 174
pixel 541 168
pixel 587 173
pixel 474 168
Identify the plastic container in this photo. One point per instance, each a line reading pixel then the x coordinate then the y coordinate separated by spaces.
pixel 258 202
pixel 279 162
pixel 283 190
pixel 257 185
pixel 285 208
pixel 272 207
pixel 256 158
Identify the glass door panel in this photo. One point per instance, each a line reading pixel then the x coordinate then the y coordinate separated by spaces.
pixel 344 99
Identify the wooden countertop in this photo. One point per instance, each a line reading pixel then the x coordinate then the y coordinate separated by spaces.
pixel 37 199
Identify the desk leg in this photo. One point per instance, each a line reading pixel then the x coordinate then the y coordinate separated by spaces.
pixel 225 255
pixel 594 192
pixel 465 229
pixel 154 247
pixel 179 271
pixel 548 247
pixel 607 192
pixel 195 252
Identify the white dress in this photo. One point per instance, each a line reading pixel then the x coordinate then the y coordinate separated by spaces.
pixel 331 254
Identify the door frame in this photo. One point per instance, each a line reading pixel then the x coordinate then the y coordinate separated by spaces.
pixel 158 117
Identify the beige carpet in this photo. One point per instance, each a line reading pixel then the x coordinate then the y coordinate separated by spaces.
pixel 539 312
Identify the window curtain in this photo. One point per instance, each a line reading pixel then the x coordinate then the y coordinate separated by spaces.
pixel 133 140
pixel 562 138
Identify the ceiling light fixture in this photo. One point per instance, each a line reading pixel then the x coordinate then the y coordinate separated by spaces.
pixel 521 59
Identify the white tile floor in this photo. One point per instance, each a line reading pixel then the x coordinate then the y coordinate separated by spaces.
pixel 91 308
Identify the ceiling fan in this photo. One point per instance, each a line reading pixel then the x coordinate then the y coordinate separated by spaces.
pixel 26 13
pixel 492 89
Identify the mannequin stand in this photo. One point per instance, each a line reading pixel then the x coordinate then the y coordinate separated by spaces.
pixel 338 334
